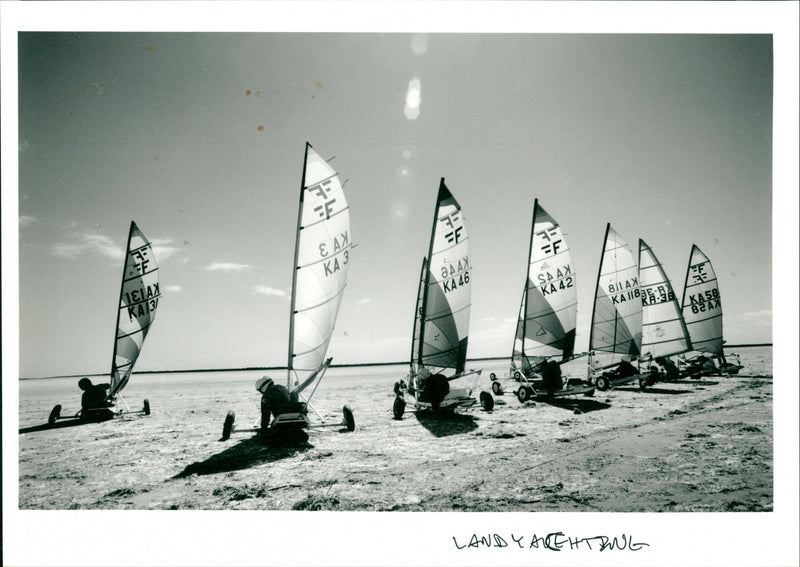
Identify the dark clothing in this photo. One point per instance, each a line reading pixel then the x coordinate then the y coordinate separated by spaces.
pixel 276 399
pixel 625 370
pixel 671 371
pixel 95 404
pixel 551 376
pixel 433 390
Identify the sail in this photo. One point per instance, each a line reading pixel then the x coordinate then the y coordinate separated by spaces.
pixel 322 257
pixel 701 304
pixel 549 307
pixel 417 316
pixel 664 332
pixel 617 313
pixel 138 302
pixel 519 361
pixel 444 324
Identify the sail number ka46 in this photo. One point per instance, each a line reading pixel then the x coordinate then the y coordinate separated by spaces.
pixel 455 276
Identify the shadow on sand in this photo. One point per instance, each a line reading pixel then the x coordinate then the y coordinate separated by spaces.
pixel 444 424
pixel 650 390
pixel 703 382
pixel 246 453
pixel 69 422
pixel 577 405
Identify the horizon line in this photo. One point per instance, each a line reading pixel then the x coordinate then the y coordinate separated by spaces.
pixel 273 368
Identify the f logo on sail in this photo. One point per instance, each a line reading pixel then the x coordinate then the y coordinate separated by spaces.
pixel 323 191
pixel 453 235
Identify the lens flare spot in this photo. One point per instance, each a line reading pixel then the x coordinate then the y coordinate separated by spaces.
pixel 413 99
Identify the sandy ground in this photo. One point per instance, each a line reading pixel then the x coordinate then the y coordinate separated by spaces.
pixel 690 446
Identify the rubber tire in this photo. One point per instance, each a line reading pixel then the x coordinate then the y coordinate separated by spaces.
pixel 349 419
pixel 493 376
pixel 497 389
pixel 55 413
pixel 227 427
pixel 602 383
pixel 399 408
pixel 523 395
pixel 517 376
pixel 487 401
pixel 146 408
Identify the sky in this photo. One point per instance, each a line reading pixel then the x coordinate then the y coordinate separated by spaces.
pixel 199 138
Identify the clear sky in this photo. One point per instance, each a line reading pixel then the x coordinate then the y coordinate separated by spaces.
pixel 199 138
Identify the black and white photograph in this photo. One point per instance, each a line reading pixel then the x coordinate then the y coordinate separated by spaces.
pixel 331 283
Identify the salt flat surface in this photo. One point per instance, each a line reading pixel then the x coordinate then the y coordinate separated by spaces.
pixel 688 446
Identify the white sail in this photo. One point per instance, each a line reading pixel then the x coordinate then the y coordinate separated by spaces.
pixel 138 302
pixel 322 258
pixel 664 332
pixel 617 313
pixel 417 316
pixel 444 324
pixel 701 304
pixel 549 306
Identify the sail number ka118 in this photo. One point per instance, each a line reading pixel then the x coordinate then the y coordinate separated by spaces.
pixel 624 291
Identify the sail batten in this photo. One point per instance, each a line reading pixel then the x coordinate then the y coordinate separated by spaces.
pixel 138 301
pixel 321 261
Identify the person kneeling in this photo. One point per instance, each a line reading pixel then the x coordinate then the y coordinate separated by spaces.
pixel 94 401
pixel 276 400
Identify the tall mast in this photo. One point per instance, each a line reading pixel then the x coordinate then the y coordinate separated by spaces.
pixel 119 300
pixel 289 364
pixel 442 190
pixel 417 314
pixel 599 272
pixel 527 279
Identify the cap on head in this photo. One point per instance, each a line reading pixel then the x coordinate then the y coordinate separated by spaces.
pixel 84 383
pixel 263 383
